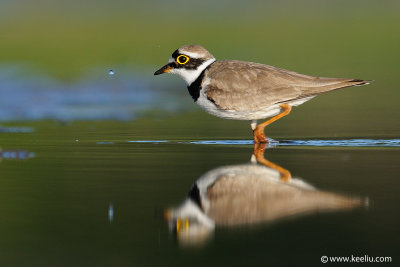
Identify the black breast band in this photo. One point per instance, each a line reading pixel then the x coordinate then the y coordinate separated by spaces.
pixel 194 195
pixel 195 87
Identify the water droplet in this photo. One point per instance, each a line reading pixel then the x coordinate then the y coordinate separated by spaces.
pixel 111 72
pixel 110 213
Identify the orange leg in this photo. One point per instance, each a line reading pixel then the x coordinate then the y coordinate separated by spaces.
pixel 259 150
pixel 259 136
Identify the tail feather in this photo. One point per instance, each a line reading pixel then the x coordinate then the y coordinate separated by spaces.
pixel 325 85
pixel 342 83
pixel 360 82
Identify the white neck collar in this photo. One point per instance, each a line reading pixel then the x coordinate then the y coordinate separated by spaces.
pixel 191 75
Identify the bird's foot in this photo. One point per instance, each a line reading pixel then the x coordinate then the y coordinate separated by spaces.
pixel 260 138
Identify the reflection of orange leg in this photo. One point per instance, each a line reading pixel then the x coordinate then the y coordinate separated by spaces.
pixel 259 136
pixel 259 150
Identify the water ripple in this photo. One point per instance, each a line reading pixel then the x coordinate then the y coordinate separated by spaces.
pixel 223 142
pixel 149 141
pixel 343 143
pixel 276 143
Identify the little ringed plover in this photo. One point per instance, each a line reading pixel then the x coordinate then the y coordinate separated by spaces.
pixel 241 90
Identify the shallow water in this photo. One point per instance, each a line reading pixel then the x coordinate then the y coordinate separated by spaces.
pixel 99 198
pixel 308 143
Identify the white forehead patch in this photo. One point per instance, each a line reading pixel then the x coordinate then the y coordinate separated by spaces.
pixel 191 54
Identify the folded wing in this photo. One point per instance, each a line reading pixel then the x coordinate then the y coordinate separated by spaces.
pixel 239 85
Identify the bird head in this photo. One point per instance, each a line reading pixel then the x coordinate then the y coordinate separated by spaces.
pixel 190 224
pixel 188 61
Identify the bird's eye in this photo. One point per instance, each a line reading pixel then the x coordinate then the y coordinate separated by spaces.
pixel 182 59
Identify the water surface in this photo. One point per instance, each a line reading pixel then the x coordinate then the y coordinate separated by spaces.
pixel 101 200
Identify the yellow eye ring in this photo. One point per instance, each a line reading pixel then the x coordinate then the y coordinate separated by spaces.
pixel 182 59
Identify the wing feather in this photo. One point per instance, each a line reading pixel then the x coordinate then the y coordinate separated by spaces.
pixel 239 85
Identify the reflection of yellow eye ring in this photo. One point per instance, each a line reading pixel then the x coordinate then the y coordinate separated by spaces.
pixel 182 59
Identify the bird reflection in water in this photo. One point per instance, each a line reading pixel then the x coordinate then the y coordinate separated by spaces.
pixel 246 194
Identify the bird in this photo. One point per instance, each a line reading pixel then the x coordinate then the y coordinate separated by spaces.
pixel 241 90
pixel 249 194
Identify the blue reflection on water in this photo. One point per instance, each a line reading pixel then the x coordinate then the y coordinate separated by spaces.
pixel 275 143
pixel 95 97
pixel 349 142
pixel 222 142
pixel 16 129
pixel 319 143
pixel 105 143
pixel 16 154
pixel 149 141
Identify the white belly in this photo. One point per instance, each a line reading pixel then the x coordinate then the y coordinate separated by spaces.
pixel 266 112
